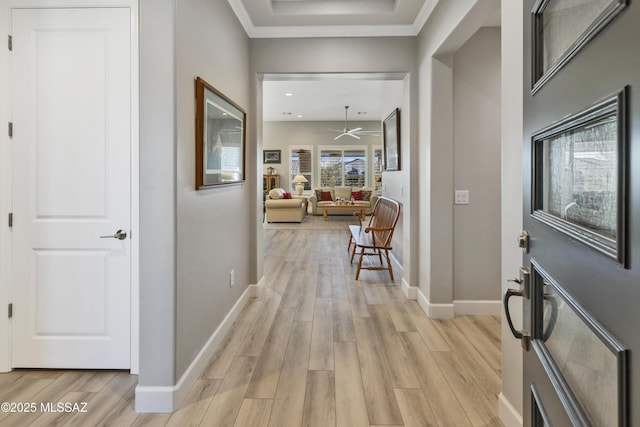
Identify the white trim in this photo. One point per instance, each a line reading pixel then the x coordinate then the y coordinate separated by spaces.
pixel 410 292
pixel 507 413
pixel 135 192
pixel 5 194
pixel 253 31
pixel 435 311
pixel 164 399
pixel 477 308
pixel 5 166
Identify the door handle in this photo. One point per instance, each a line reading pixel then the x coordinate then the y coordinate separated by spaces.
pixel 523 280
pixel 120 235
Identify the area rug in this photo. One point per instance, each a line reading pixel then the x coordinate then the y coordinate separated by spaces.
pixel 314 222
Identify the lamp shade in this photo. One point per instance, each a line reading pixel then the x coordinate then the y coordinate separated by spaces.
pixel 298 179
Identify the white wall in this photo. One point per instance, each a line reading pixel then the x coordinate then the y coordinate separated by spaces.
pixel 510 408
pixel 212 225
pixel 476 167
pixel 281 135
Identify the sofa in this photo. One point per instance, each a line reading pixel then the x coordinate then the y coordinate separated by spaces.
pixel 368 199
pixel 281 209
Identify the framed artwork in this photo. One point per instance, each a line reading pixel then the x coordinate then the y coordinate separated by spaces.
pixel 391 141
pixel 220 138
pixel 272 156
pixel 561 28
pixel 579 184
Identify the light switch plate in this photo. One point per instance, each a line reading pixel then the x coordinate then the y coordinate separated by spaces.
pixel 462 197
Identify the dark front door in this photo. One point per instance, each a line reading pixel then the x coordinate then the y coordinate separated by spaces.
pixel 582 212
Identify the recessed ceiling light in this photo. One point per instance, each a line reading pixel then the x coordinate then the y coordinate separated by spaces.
pixel 288 94
pixel 286 113
pixel 362 112
pixel 299 116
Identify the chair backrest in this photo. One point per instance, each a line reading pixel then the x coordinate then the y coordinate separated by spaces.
pixel 385 215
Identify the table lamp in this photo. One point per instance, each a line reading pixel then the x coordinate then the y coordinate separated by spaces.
pixel 300 180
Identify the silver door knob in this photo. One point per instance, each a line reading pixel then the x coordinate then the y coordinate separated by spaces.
pixel 120 235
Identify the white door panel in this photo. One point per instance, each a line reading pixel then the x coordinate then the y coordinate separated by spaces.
pixel 71 185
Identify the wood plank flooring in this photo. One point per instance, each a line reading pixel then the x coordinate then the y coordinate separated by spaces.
pixel 316 349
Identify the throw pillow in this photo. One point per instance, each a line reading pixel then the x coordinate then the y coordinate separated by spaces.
pixel 326 196
pixel 318 194
pixel 366 195
pixel 342 192
pixel 357 195
pixel 276 193
pixel 286 195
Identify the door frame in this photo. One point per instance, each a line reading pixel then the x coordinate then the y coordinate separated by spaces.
pixel 5 167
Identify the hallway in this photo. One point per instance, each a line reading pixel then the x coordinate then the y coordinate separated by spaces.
pixel 316 349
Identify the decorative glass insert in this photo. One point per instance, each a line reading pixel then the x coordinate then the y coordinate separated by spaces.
pixel 587 360
pixel 561 28
pixel 579 176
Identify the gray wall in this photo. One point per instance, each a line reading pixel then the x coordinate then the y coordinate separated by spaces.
pixel 387 55
pixel 189 240
pixel 450 26
pixel 157 194
pixel 212 225
pixel 476 167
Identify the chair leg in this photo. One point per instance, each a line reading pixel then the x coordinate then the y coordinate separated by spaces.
pixel 386 251
pixel 360 264
pixel 379 256
pixel 353 252
pixel 349 245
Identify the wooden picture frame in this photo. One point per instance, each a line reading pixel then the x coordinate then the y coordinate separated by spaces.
pixel 220 138
pixel 272 156
pixel 391 141
pixel 561 28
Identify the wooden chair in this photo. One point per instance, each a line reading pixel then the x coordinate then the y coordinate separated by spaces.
pixel 376 236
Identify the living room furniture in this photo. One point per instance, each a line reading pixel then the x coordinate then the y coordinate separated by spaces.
pixel 279 209
pixel 375 237
pixel 300 180
pixel 270 181
pixel 344 192
pixel 352 209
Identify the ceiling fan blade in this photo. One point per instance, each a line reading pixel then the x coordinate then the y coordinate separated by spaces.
pixel 354 130
pixel 353 135
pixel 340 136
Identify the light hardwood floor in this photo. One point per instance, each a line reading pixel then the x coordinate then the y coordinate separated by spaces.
pixel 316 349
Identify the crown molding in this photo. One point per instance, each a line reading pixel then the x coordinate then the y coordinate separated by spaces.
pixel 316 31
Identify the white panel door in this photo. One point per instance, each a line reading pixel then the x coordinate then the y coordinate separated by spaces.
pixel 71 71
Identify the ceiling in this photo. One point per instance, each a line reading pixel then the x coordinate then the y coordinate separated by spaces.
pixel 324 99
pixel 332 18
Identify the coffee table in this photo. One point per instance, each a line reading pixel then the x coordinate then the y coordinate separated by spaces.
pixel 344 207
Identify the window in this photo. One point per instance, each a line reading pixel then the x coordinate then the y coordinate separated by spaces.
pixel 340 166
pixel 301 164
pixel 377 168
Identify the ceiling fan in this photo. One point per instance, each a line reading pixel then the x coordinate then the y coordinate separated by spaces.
pixel 354 133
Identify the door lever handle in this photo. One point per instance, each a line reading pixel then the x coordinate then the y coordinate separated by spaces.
pixel 120 235
pixel 512 293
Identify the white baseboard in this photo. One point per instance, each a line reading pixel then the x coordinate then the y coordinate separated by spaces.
pixel 477 308
pixel 163 399
pixel 509 416
pixel 410 292
pixel 435 311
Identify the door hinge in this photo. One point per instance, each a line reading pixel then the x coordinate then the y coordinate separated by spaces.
pixel 10 129
pixel 10 43
pixel 10 219
pixel 10 310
